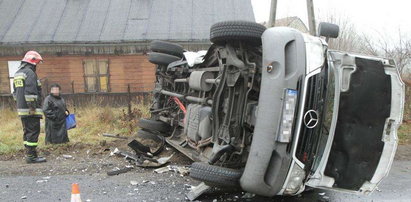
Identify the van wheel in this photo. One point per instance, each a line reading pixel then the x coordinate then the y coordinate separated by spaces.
pixel 161 58
pixel 153 125
pixel 229 31
pixel 167 47
pixel 215 176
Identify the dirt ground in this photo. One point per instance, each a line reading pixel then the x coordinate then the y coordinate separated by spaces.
pixel 77 159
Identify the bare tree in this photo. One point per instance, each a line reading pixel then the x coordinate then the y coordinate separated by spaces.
pixel 399 50
pixel 349 39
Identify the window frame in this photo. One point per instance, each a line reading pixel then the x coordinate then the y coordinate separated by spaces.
pixel 11 75
pixel 96 75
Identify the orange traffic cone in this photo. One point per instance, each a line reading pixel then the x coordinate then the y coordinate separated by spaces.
pixel 75 193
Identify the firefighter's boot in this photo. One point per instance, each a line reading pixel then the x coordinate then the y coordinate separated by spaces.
pixel 32 157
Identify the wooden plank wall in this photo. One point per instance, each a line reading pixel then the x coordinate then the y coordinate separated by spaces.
pixel 4 77
pixel 124 69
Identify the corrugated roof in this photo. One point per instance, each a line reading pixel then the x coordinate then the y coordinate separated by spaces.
pixel 108 21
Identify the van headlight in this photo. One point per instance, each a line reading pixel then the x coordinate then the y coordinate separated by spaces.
pixel 286 125
pixel 295 182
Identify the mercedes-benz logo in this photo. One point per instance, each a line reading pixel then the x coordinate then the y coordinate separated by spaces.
pixel 311 119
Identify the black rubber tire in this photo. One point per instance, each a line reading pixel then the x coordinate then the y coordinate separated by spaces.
pixel 153 125
pixel 161 58
pixel 229 31
pixel 215 175
pixel 167 47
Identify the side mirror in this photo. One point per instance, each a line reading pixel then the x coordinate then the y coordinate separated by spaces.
pixel 328 30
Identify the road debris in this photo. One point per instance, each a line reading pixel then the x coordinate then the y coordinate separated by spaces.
pixel 114 136
pixel 162 170
pixel 66 156
pixel 24 197
pixel 188 187
pixel 154 142
pixel 152 162
pixel 182 170
pixel 118 171
pixel 141 160
pixel 134 183
pixel 197 191
pixel 248 196
pixel 140 148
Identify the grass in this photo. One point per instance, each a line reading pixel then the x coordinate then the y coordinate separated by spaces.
pixel 92 121
pixel 404 133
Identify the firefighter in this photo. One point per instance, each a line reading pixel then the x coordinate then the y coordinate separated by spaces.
pixel 27 93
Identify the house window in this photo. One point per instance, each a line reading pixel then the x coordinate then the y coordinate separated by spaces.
pixel 13 67
pixel 96 75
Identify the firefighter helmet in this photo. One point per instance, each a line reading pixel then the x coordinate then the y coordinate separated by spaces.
pixel 32 57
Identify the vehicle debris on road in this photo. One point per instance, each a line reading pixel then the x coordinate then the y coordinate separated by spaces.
pixel 118 171
pixel 66 156
pixel 114 136
pixel 198 191
pixel 183 170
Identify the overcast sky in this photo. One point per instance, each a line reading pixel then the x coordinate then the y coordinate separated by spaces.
pixel 369 16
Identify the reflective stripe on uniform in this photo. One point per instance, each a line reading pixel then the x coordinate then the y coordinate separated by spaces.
pixel 20 75
pixel 26 112
pixel 31 144
pixel 30 98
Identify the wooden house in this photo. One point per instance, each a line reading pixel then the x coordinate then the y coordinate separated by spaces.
pixel 100 46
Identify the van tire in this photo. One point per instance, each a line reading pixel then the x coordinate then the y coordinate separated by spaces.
pixel 161 58
pixel 230 31
pixel 153 125
pixel 167 47
pixel 215 176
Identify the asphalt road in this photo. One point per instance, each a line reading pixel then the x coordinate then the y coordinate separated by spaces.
pixel 173 187
pixel 52 181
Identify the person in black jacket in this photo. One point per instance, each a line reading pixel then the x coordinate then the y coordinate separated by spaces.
pixel 27 93
pixel 55 111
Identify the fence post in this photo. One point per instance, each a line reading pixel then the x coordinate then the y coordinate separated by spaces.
pixel 129 101
pixel 72 87
pixel 73 96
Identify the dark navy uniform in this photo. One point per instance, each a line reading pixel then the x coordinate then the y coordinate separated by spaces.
pixel 27 93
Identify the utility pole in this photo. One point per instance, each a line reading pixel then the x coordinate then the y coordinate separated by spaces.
pixel 273 11
pixel 310 12
pixel 311 17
